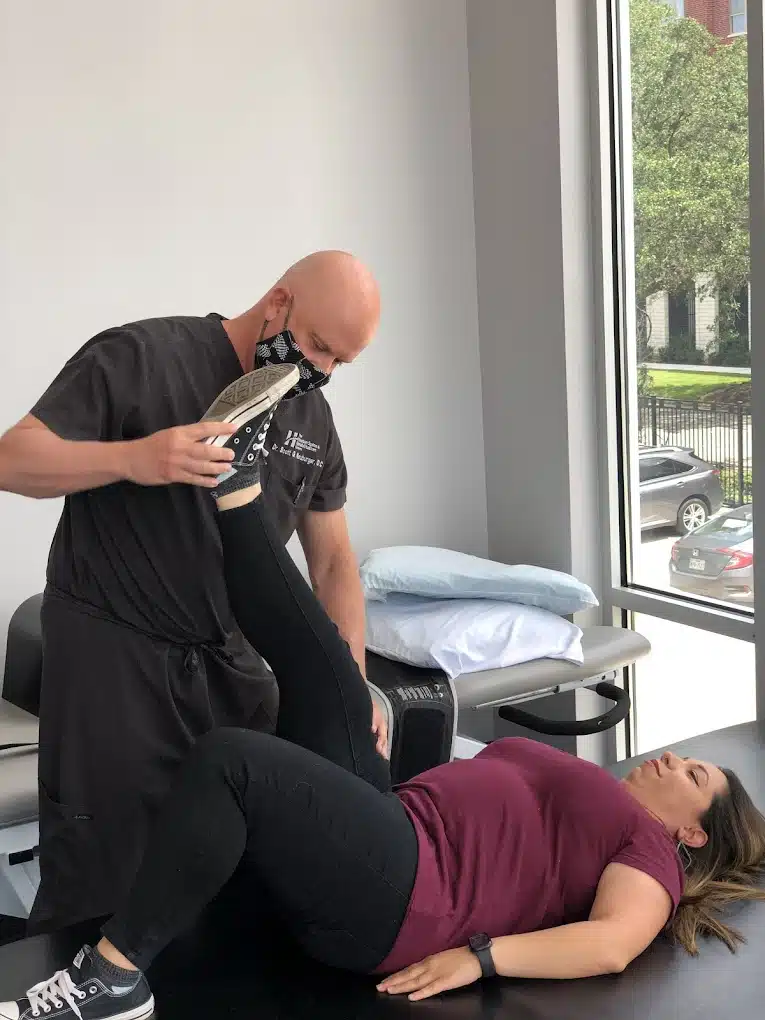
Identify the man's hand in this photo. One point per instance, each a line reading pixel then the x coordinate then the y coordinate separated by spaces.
pixel 380 729
pixel 179 455
pixel 440 973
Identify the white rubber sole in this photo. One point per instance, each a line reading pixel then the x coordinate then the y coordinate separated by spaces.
pixel 249 396
pixel 144 1012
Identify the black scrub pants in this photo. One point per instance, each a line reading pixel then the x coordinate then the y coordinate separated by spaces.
pixel 307 817
pixel 120 710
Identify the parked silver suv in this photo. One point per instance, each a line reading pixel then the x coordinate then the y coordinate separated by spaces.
pixel 677 488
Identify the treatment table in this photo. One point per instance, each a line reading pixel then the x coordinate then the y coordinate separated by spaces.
pixel 218 971
pixel 424 708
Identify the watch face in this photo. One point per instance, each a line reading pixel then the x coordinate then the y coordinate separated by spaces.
pixel 481 941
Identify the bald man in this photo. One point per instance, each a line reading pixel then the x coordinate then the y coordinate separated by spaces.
pixel 141 651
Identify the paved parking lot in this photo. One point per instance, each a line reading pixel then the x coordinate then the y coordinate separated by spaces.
pixel 693 681
pixel 652 560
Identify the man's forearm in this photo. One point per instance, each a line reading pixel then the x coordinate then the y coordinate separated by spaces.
pixel 35 462
pixel 578 950
pixel 338 588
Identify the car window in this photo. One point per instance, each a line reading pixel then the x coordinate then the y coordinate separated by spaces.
pixel 728 526
pixel 679 467
pixel 648 469
pixel 653 468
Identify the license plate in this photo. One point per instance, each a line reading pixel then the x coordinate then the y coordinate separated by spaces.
pixel 694 564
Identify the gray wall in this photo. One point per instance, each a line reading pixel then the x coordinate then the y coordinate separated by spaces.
pixel 173 157
pixel 532 178
pixel 529 113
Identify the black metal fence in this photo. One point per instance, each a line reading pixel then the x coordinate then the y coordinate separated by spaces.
pixel 720 434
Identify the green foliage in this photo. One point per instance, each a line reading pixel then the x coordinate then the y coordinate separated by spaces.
pixel 681 350
pixel 691 160
pixel 730 349
pixel 731 346
pixel 644 380
pixel 737 487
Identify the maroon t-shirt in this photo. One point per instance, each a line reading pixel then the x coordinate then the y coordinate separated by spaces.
pixel 516 840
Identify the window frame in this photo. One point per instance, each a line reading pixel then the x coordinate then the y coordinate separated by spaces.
pixel 616 362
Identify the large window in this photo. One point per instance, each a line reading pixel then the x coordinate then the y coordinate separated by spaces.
pixel 689 438
pixel 681 405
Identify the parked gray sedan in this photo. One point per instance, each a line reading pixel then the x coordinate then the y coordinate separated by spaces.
pixel 717 561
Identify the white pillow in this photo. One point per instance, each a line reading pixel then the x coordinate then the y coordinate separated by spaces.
pixel 446 574
pixel 468 635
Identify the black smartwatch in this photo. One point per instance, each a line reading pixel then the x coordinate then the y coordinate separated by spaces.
pixel 481 944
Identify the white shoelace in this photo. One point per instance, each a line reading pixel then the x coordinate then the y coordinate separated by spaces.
pixel 54 992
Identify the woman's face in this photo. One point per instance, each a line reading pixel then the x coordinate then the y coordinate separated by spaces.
pixel 678 791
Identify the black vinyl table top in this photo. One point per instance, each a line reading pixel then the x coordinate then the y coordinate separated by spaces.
pixel 217 971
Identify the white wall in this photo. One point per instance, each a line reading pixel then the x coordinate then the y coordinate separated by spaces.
pixel 173 156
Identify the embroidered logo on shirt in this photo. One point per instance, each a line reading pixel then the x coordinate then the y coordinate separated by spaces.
pixel 295 445
pixel 297 441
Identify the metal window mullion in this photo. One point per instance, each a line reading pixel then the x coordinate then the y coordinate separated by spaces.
pixel 630 420
pixel 609 135
pixel 713 619
pixel 606 259
pixel 612 153
pixel 757 287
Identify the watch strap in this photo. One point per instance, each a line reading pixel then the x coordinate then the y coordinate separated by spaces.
pixel 486 960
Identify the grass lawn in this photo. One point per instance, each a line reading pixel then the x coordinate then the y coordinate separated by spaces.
pixel 692 385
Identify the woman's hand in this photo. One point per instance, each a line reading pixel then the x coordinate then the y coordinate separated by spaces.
pixel 440 973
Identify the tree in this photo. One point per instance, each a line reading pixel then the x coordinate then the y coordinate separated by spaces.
pixel 690 153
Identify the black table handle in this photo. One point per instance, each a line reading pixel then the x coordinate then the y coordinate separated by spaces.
pixel 577 727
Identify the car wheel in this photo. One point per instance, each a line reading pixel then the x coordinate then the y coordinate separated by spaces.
pixel 692 514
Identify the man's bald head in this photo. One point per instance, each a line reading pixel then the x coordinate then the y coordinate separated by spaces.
pixel 336 276
pixel 331 303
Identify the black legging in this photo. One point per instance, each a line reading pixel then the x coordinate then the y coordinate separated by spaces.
pixel 307 814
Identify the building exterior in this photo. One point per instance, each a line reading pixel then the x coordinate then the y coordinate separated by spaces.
pixel 724 18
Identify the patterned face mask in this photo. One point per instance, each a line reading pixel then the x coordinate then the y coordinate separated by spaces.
pixel 282 349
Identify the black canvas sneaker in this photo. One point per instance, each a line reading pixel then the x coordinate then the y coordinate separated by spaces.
pixel 91 989
pixel 249 403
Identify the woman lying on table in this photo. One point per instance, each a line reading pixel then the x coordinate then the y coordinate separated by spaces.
pixel 524 861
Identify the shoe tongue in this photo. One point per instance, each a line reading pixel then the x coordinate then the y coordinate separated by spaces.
pixel 81 957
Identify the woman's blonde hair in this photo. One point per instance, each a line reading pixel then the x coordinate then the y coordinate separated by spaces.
pixel 728 868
